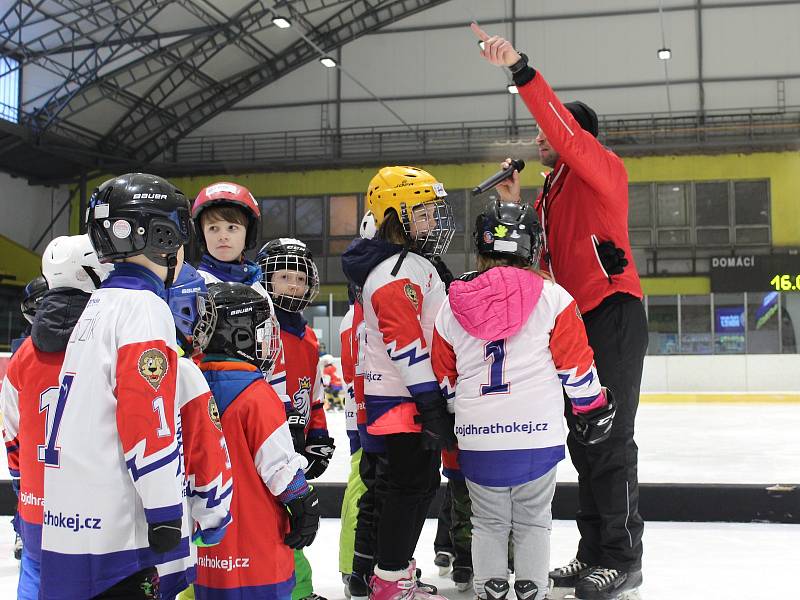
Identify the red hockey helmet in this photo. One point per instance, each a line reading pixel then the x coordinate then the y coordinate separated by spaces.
pixel 232 194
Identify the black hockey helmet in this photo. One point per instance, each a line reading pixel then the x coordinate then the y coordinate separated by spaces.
pixel 32 296
pixel 509 228
pixel 245 328
pixel 137 213
pixel 289 254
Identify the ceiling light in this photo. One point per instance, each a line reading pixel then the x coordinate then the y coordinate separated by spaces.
pixel 328 62
pixel 512 89
pixel 281 22
pixel 664 54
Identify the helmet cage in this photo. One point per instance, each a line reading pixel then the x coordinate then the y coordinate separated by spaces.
pixel 433 226
pixel 248 331
pixel 271 264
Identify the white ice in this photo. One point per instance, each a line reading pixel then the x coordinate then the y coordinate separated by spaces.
pixel 682 561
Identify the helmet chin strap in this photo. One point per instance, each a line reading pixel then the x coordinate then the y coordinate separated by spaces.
pixel 172 262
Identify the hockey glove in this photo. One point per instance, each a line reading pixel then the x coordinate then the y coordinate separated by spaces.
pixel 297 427
pixel 612 258
pixel 318 453
pixel 437 427
pixel 304 515
pixel 163 537
pixel 595 426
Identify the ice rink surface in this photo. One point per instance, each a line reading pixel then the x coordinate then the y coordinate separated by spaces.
pixel 678 443
pixel 684 443
pixel 682 561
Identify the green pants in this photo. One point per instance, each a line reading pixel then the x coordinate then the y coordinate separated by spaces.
pixel 352 494
pixel 302 576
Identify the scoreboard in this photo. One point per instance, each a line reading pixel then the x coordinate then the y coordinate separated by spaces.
pixel 756 273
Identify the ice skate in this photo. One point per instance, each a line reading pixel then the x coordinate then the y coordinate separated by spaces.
pixel 357 587
pixel 607 584
pixel 525 589
pixel 496 589
pixel 462 577
pixel 399 585
pixel 568 575
pixel 443 560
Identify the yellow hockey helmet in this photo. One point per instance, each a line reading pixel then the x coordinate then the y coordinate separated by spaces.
pixel 420 202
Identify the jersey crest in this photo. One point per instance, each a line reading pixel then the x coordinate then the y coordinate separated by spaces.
pixel 411 294
pixel 153 367
pixel 302 397
pixel 213 413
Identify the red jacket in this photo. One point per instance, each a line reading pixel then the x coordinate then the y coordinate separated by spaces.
pixel 586 202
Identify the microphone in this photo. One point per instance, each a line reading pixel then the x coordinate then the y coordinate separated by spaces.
pixel 516 165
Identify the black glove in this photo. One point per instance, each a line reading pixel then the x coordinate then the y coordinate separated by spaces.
pixel 163 537
pixel 297 427
pixel 595 426
pixel 303 520
pixel 318 452
pixel 468 276
pixel 437 428
pixel 612 258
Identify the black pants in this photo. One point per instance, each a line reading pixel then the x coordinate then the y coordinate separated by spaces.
pixel 608 485
pixel 454 529
pixel 372 469
pixel 411 483
pixel 139 586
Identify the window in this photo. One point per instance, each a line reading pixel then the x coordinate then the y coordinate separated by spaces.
pixel 308 217
pixel 274 218
pixel 712 213
pixel 10 75
pixel 343 215
pixel 751 201
pixel 662 326
pixel 639 201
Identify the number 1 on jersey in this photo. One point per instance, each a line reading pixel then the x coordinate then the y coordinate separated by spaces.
pixel 52 402
pixel 496 352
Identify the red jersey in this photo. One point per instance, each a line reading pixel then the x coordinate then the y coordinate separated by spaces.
pixel 252 554
pixel 299 380
pixel 30 384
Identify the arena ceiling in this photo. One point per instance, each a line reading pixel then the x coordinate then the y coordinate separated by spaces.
pixel 123 84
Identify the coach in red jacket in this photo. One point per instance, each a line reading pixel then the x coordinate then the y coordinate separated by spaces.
pixel 583 209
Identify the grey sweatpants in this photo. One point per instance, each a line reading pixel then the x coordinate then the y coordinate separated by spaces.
pixel 522 511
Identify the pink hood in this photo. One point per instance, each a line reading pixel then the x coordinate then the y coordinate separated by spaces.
pixel 497 303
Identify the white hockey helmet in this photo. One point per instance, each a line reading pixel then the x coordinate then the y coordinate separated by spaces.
pixel 368 227
pixel 70 261
pixel 326 359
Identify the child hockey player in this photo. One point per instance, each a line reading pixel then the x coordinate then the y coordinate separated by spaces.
pixel 71 270
pixel 206 474
pixel 254 560
pixel 32 296
pixel 520 345
pixel 292 281
pixel 226 218
pixel 355 487
pixel 401 293
pixel 114 506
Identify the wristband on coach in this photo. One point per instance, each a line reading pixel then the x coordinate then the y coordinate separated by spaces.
pixel 520 64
